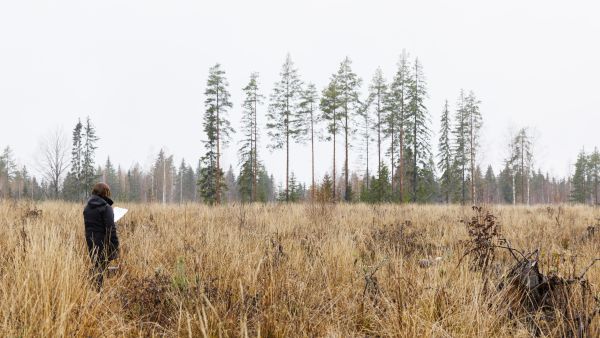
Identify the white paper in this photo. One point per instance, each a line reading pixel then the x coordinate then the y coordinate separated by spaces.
pixel 119 213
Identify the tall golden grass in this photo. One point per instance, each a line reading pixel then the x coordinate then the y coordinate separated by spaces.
pixel 273 270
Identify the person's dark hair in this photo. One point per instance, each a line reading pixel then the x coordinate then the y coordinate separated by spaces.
pixel 101 189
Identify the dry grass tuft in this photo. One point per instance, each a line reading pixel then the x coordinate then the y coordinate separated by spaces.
pixel 318 270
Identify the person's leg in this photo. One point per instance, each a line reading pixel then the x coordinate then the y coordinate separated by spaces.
pixel 97 256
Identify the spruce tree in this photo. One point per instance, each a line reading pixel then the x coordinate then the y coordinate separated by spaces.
pixel 283 121
pixel 380 189
pixel 418 132
pixel 594 173
pixel 491 187
pixel 232 188
pixel 74 181
pixel 109 176
pixel 580 189
pixel 217 129
pixel 445 163
pixel 88 169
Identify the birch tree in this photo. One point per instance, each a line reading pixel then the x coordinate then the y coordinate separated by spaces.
pixel 53 160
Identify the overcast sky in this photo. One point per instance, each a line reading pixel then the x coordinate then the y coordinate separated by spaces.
pixel 138 68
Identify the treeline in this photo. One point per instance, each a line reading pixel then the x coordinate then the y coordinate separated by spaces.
pixel 388 126
pixel 586 178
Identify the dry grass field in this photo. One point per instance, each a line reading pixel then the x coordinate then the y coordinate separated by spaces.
pixel 303 270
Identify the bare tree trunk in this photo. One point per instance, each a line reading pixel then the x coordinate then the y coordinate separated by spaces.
pixel 522 170
pixel 514 190
pixel 218 173
pixel 181 188
pixel 472 151
pixel 367 142
pixel 334 173
pixel 164 182
pixel 401 162
pixel 415 175
pixel 287 163
pixel 312 153
pixel 254 151
pixel 378 137
pixel 346 182
pixel 287 143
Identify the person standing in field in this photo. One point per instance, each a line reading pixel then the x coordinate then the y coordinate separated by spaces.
pixel 100 231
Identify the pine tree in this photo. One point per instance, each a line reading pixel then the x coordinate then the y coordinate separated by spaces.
pixel 330 107
pixel 445 163
pixel 163 174
pixel 474 126
pixel 248 152
pixel 466 132
pixel 396 119
pixel 309 100
pixel 460 133
pixel 283 121
pixel 217 128
pixel 378 93
pixel 521 161
pixel 348 87
pixel 418 127
pixel 365 127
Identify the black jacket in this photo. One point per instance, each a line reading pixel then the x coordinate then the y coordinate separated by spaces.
pixel 99 222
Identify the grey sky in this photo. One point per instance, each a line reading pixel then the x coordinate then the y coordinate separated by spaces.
pixel 138 68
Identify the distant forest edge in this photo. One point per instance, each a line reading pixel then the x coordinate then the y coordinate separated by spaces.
pixel 390 122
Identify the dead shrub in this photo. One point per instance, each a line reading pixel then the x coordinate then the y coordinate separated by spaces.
pixel 484 238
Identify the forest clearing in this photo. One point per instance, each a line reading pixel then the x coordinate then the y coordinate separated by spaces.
pixel 308 270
